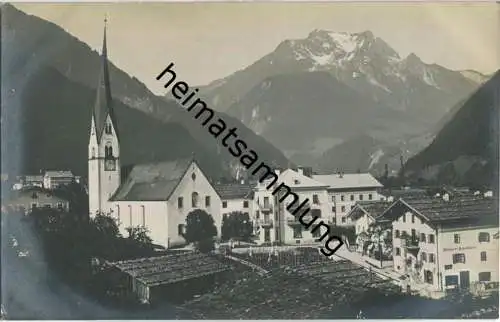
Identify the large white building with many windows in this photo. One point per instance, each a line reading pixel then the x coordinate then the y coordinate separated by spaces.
pixel 344 190
pixel 444 244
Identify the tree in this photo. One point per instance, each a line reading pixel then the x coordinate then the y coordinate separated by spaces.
pixel 139 234
pixel 237 225
pixel 200 230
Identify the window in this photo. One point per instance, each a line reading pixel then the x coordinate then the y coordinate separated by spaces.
pixel 297 232
pixel 267 235
pixel 483 256
pixel 361 197
pixel 193 176
pixel 456 239
pixel 180 202
pixel 423 257
pixel 370 196
pixel 257 214
pixel 333 209
pixel 413 233
pixel 432 259
pixel 422 238
pixel 404 218
pixel 207 201
pixel 333 198
pixel 352 197
pixel 59 205
pixel 397 233
pixel 398 251
pixel 108 128
pixel 108 151
pixel 224 204
pixel 484 237
pixel 33 206
pixel 451 280
pixel 412 219
pixel 342 198
pixel 343 220
pixel 245 204
pixel 484 276
pixel 342 209
pixel 118 213
pixel 459 258
pixel 143 216
pixel 428 277
pixel 180 229
pixel 431 239
pixel 315 199
pixel 447 267
pixel 266 202
pixel 194 199
pixel 93 153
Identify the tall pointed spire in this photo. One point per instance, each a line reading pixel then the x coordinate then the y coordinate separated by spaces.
pixel 103 105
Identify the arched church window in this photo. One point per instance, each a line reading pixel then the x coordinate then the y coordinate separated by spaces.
pixel 93 153
pixel 193 176
pixel 108 128
pixel 194 199
pixel 108 150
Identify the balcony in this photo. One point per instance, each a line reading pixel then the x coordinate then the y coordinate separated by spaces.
pixel 410 242
pixel 265 207
pixel 293 221
pixel 266 222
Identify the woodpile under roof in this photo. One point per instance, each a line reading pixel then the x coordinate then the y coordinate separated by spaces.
pixel 168 269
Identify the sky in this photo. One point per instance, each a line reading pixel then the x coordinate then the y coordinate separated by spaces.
pixel 208 41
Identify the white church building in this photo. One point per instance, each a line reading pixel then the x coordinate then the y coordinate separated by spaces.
pixel 156 196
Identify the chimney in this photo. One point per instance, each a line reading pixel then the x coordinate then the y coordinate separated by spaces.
pixel 300 170
pixel 308 172
pixel 446 197
pixel 341 174
pixel 277 172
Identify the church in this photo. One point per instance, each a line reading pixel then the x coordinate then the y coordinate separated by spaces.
pixel 156 196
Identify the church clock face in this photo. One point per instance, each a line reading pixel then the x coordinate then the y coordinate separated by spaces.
pixel 109 165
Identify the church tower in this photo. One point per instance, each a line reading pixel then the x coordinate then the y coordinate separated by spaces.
pixel 104 147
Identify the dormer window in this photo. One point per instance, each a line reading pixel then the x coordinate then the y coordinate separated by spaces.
pixel 296 181
pixel 108 128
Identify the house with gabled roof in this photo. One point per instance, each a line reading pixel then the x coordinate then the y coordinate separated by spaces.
pixel 366 213
pixel 159 196
pixel 235 196
pixel 446 243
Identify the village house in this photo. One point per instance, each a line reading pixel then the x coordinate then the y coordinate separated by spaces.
pixel 366 213
pixel 235 197
pixel 54 179
pixel 29 198
pixel 345 189
pixel 277 223
pixel 444 243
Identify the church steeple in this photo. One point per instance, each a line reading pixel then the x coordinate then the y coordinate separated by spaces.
pixel 103 105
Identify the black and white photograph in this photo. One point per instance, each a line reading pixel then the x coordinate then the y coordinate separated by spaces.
pixel 250 160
